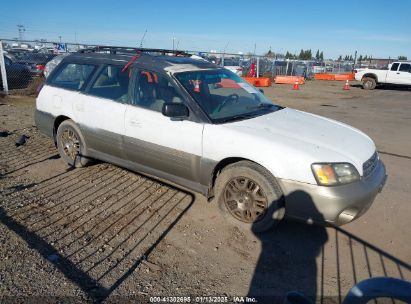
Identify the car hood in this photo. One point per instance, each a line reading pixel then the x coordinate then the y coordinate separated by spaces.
pixel 326 139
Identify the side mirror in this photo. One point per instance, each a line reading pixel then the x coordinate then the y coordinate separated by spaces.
pixel 261 90
pixel 175 110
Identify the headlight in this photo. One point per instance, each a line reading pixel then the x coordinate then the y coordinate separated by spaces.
pixel 334 174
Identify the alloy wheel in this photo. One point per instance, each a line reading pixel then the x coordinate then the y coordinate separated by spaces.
pixel 70 144
pixel 245 200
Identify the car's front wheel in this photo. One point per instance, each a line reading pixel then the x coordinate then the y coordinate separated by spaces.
pixel 71 144
pixel 250 196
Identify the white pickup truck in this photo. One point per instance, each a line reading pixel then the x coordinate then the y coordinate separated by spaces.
pixel 398 73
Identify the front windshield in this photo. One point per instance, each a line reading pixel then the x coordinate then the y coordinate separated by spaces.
pixel 224 96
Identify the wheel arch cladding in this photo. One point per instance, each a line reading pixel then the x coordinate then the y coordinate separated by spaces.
pixel 370 75
pixel 57 123
pixel 223 164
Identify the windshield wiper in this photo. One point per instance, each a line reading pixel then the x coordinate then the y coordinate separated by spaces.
pixel 262 105
pixel 235 117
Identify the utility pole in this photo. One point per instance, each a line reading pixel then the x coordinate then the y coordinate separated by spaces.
pixel 75 40
pixel 21 30
pixel 173 42
pixel 222 59
pixel 60 38
pixel 355 59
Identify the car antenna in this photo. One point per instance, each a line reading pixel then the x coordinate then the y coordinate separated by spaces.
pixel 142 39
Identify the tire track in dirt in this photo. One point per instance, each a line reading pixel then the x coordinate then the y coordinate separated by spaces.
pixel 101 220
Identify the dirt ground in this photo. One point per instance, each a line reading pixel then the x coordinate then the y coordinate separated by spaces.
pixel 103 233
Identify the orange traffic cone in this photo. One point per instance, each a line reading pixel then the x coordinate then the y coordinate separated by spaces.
pixel 295 86
pixel 197 86
pixel 346 86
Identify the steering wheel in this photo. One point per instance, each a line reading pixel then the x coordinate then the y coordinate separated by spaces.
pixel 233 97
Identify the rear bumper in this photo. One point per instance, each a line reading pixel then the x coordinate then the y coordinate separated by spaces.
pixel 44 122
pixel 332 205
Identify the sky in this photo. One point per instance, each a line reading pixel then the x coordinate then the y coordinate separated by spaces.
pixel 379 28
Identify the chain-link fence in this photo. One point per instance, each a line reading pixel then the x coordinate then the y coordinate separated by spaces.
pixel 25 64
pixel 271 66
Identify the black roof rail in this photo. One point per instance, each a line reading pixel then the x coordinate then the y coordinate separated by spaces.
pixel 131 50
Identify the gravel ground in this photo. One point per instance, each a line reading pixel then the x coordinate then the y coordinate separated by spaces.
pixel 103 233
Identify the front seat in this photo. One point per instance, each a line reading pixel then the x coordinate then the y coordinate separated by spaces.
pixel 146 93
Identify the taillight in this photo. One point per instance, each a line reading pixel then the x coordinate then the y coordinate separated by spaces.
pixel 239 69
pixel 40 67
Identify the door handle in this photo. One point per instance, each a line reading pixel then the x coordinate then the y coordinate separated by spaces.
pixel 134 123
pixel 398 72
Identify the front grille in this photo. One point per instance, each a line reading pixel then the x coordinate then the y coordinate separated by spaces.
pixel 369 166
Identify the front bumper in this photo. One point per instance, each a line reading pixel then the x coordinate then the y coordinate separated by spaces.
pixel 332 205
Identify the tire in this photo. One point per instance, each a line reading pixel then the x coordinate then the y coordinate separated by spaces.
pixel 71 144
pixel 240 207
pixel 368 83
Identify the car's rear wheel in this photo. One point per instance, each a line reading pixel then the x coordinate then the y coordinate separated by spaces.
pixel 369 83
pixel 249 196
pixel 71 144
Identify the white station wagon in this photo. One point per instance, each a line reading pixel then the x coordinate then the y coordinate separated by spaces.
pixel 200 126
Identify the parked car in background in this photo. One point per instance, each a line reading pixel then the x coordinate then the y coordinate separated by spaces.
pixel 35 62
pixel 233 65
pixel 18 75
pixel 398 73
pixel 17 53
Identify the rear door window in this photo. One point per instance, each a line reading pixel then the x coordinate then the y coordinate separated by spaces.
pixel 405 67
pixel 72 76
pixel 111 83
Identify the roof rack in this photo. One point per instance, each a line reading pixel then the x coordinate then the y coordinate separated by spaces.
pixel 131 50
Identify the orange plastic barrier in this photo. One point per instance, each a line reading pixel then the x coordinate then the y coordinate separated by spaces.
pixel 228 83
pixel 262 82
pixel 289 79
pixel 341 77
pixel 324 76
pixel 344 77
pixel 258 81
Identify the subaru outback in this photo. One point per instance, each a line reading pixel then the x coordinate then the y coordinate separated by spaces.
pixel 202 127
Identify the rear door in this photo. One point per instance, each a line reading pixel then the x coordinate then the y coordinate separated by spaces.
pixel 153 140
pixel 100 110
pixel 404 74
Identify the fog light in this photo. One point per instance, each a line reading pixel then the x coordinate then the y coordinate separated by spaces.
pixel 347 216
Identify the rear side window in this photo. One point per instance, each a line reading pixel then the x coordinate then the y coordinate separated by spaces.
pixel 394 66
pixel 405 67
pixel 111 83
pixel 72 76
